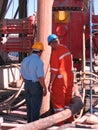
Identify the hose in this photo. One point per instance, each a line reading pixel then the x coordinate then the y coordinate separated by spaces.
pixel 83 78
pixel 6 104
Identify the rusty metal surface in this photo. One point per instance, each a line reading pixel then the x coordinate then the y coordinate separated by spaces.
pixel 1 2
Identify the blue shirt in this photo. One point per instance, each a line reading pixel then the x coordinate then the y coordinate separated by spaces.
pixel 32 67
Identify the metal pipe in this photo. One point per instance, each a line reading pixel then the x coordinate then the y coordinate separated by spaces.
pixel 84 58
pixel 44 15
pixel 91 4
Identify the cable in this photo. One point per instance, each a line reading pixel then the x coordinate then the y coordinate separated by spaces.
pixel 9 4
pixel 3 9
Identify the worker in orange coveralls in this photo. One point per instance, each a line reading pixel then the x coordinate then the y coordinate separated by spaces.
pixel 61 79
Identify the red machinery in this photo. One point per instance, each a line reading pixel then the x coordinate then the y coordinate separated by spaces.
pixel 24 28
pixel 70 17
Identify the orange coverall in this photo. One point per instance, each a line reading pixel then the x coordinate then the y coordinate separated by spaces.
pixel 61 64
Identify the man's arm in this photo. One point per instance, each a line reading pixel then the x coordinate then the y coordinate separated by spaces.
pixel 42 82
pixel 52 78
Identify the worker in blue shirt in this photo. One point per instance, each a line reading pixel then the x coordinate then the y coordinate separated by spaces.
pixel 32 72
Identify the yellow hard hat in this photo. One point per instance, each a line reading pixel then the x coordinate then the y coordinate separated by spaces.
pixel 38 46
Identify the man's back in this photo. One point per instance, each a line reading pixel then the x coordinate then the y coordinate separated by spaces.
pixel 24 68
pixel 32 67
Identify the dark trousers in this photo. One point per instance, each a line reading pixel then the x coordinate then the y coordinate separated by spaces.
pixel 33 94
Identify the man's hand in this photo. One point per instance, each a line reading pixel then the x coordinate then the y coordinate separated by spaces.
pixel 50 88
pixel 44 91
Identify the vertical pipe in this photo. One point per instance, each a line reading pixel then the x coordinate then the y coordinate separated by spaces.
pixel 22 8
pixel 91 108
pixel 44 19
pixel 84 65
pixel 84 57
pixel 22 14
